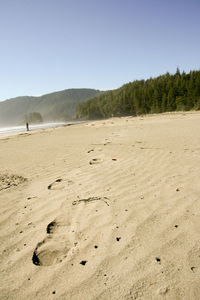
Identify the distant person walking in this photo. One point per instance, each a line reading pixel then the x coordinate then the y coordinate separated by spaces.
pixel 27 126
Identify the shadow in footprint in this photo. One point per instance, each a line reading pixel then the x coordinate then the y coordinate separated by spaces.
pixel 51 227
pixel 55 185
pixel 35 259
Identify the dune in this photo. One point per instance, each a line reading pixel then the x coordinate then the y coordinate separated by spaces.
pixel 102 210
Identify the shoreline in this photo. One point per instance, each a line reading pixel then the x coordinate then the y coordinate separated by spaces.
pixel 38 127
pixel 15 130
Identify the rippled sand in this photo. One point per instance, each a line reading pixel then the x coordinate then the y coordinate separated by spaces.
pixel 103 210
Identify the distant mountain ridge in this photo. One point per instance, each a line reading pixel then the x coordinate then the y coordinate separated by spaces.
pixel 57 106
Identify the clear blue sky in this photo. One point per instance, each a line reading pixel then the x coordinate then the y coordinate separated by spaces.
pixel 50 45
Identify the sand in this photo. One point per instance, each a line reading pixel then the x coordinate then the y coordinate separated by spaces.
pixel 102 210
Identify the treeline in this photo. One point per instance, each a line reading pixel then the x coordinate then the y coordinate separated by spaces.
pixel 178 92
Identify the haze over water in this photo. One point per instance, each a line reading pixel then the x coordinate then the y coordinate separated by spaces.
pixel 18 129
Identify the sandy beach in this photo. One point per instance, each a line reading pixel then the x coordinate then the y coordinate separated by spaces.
pixel 102 210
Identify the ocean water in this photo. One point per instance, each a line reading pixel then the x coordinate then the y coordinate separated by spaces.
pixel 18 129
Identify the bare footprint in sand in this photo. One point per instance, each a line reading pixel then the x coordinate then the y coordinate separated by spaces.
pixel 71 226
pixel 90 199
pixel 55 247
pixel 95 161
pixel 91 150
pixel 57 185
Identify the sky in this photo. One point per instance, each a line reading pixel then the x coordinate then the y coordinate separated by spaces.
pixel 51 45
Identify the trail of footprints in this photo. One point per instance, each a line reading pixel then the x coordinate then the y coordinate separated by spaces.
pixel 60 241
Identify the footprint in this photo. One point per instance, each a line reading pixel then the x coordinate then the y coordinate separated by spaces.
pixel 90 199
pixel 47 254
pixel 55 247
pixel 69 233
pixel 95 161
pixel 90 150
pixel 55 185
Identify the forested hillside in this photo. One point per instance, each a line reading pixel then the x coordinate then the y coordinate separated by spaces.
pixel 58 106
pixel 164 93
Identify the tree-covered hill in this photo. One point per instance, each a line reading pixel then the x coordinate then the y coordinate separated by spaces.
pixel 58 106
pixel 164 93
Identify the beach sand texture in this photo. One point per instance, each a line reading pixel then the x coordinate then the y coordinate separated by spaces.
pixel 102 210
